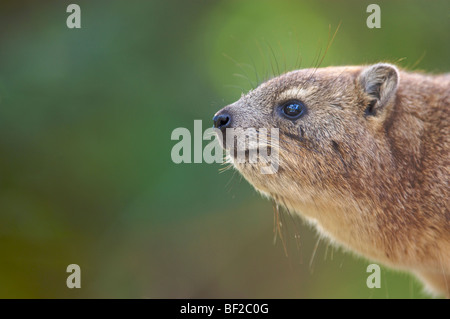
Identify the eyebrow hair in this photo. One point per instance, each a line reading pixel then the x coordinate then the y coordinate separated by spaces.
pixel 295 92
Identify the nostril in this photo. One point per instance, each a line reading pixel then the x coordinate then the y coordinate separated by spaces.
pixel 221 121
pixel 224 120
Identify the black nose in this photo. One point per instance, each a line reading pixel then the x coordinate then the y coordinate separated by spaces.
pixel 222 121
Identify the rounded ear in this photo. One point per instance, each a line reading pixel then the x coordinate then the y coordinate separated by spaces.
pixel 379 83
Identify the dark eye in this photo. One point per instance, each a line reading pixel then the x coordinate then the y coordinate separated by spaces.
pixel 293 109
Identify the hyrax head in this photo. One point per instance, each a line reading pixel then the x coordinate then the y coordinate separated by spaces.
pixel 329 123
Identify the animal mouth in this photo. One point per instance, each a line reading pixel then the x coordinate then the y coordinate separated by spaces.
pixel 238 149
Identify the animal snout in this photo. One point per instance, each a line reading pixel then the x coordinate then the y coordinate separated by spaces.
pixel 222 120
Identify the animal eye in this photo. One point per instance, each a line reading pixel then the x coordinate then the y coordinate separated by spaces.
pixel 293 109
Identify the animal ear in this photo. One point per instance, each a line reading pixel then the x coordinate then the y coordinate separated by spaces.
pixel 379 83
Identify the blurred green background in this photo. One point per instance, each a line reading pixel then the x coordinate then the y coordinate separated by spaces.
pixel 86 117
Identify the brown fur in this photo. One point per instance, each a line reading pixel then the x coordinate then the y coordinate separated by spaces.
pixel 368 163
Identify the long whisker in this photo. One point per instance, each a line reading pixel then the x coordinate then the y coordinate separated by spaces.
pixel 284 57
pixel 277 227
pixel 319 62
pixel 239 65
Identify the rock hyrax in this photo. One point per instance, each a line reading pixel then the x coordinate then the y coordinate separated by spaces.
pixel 363 155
